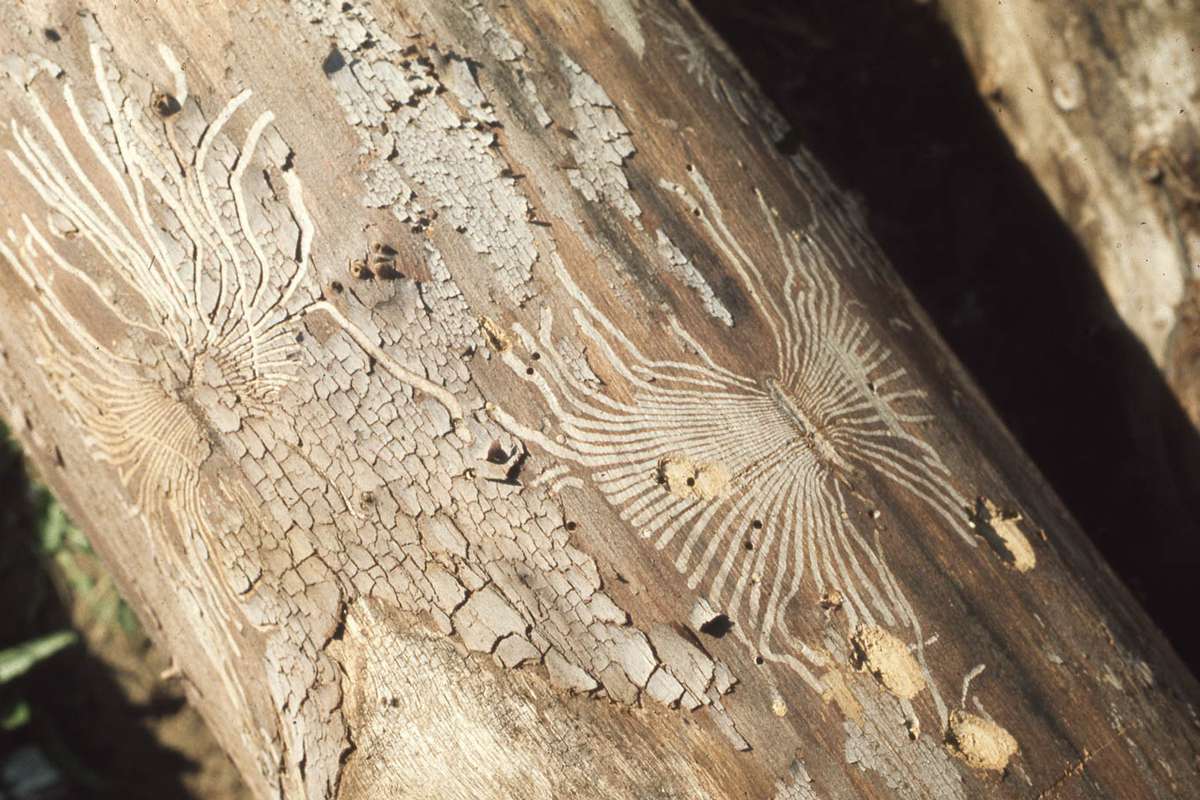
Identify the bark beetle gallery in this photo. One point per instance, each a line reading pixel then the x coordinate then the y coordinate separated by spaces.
pixel 654 481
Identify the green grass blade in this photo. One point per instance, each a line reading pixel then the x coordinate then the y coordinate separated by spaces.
pixel 17 660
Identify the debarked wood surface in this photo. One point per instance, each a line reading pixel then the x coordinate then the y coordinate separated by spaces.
pixel 477 405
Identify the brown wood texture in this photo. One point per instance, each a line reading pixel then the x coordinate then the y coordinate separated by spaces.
pixel 477 404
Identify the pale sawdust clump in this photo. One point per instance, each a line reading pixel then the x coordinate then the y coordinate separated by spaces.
pixel 496 338
pixel 711 480
pixel 1004 535
pixel 888 659
pixel 778 705
pixel 674 473
pixel 831 600
pixel 685 478
pixel 981 743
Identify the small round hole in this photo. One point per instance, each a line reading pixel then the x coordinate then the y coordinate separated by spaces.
pixel 756 524
pixel 165 105
pixel 571 525
pixel 718 626
pixel 529 370
pixel 759 660
pixel 536 356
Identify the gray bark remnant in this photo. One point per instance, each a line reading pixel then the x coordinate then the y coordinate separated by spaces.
pixel 1102 101
pixel 475 417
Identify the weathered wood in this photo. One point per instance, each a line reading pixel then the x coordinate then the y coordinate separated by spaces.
pixel 1102 101
pixel 477 405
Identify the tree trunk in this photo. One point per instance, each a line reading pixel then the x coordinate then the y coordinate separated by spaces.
pixel 1102 101
pixel 477 405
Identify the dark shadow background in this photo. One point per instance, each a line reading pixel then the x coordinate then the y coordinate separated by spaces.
pixel 97 743
pixel 881 95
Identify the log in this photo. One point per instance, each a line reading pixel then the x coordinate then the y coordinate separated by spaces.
pixel 477 404
pixel 1100 101
pixel 888 105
